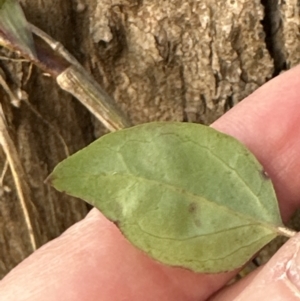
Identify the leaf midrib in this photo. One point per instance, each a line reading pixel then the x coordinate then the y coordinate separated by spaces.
pixel 184 192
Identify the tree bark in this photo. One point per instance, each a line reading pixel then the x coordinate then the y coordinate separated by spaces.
pixel 161 60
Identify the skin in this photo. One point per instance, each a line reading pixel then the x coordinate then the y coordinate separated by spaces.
pixel 92 261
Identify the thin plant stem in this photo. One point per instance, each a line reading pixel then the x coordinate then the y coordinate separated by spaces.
pixel 19 177
pixel 286 232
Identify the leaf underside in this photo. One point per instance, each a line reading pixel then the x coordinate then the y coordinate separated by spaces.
pixel 14 27
pixel 184 193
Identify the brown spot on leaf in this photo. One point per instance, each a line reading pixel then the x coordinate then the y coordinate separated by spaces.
pixel 192 207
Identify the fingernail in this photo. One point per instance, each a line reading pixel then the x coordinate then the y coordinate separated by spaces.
pixel 293 268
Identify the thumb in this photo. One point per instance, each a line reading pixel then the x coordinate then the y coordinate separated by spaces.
pixel 279 279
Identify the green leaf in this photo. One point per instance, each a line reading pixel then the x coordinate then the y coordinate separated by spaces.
pixel 14 27
pixel 184 193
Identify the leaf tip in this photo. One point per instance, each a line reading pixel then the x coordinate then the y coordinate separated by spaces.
pixel 50 180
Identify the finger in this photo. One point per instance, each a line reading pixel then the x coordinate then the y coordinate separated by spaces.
pixel 268 122
pixel 279 279
pixel 93 261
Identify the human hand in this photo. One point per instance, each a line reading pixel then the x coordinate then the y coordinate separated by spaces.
pixel 93 261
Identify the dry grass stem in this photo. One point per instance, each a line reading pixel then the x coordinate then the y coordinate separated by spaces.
pixel 80 84
pixel 13 98
pixel 3 172
pixel 19 177
pixel 55 45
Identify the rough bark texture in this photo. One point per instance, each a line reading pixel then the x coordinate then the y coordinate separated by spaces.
pixel 161 60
